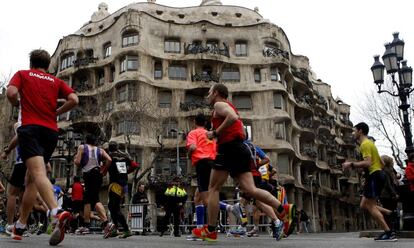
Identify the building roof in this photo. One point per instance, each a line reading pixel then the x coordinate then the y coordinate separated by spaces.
pixel 209 11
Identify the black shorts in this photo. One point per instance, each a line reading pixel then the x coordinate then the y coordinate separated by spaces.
pixel 35 140
pixel 77 206
pixel 374 185
pixel 18 175
pixel 93 183
pixel 234 157
pixel 203 169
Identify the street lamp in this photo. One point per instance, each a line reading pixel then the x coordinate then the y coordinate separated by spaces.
pixel 178 168
pixel 66 142
pixel 311 178
pixel 395 66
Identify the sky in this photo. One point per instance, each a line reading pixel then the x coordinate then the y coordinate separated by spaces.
pixel 339 37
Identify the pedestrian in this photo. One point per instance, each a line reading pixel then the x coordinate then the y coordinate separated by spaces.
pixel 141 198
pixel 118 170
pixel 304 221
pixel 37 136
pixel 90 158
pixel 233 158
pixel 375 180
pixel 389 195
pixel 175 197
pixel 15 187
pixel 77 204
pixel 409 172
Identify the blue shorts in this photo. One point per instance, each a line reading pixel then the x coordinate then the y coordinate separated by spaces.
pixel 374 185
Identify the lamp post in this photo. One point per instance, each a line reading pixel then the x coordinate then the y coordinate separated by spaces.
pixel 401 76
pixel 66 142
pixel 311 178
pixel 178 168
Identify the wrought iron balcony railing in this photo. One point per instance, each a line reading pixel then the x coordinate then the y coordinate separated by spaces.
pixel 275 52
pixel 206 77
pixel 84 61
pixel 195 48
pixel 187 106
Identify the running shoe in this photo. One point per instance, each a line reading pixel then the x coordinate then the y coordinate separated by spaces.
pixel 58 233
pixel 240 231
pixel 82 231
pixel 290 219
pixel 17 233
pixel 9 229
pixel 125 235
pixel 204 234
pixel 109 228
pixel 277 229
pixel 253 233
pixel 386 237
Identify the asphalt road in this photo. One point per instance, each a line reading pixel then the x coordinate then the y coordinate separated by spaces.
pixel 324 240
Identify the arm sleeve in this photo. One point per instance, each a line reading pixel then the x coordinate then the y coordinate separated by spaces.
pixel 64 89
pixel 191 139
pixel 366 150
pixel 16 80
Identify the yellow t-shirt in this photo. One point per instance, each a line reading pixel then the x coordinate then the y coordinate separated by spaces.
pixel 368 149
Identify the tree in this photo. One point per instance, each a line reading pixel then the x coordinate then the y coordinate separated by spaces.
pixel 381 113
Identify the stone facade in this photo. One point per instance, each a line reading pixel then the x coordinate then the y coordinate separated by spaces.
pixel 144 70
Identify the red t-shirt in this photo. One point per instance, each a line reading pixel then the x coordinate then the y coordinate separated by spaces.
pixel 205 148
pixel 39 93
pixel 77 192
pixel 233 132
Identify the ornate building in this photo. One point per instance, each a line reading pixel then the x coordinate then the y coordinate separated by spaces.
pixel 142 73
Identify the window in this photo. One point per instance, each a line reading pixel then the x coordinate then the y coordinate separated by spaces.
pixel 164 99
pixel 167 125
pixel 274 74
pixel 278 101
pixel 242 102
pixel 127 127
pixel 129 63
pixel 100 77
pixel 67 61
pixel 283 163
pixel 157 70
pixel 126 92
pixel 122 93
pixel 172 46
pixel 107 50
pixel 280 131
pixel 130 38
pixel 177 72
pixel 230 74
pixel 241 48
pixel 257 76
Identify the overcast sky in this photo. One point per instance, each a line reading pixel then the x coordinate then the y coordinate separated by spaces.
pixel 339 37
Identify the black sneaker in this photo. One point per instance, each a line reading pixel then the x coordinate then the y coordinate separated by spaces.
pixel 17 233
pixel 386 237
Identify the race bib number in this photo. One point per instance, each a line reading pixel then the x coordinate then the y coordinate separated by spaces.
pixel 122 168
pixel 263 170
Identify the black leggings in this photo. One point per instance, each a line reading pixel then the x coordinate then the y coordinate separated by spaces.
pixel 114 206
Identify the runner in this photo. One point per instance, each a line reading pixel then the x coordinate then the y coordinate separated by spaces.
pixel 15 186
pixel 90 158
pixel 233 158
pixel 375 179
pixel 118 170
pixel 37 136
